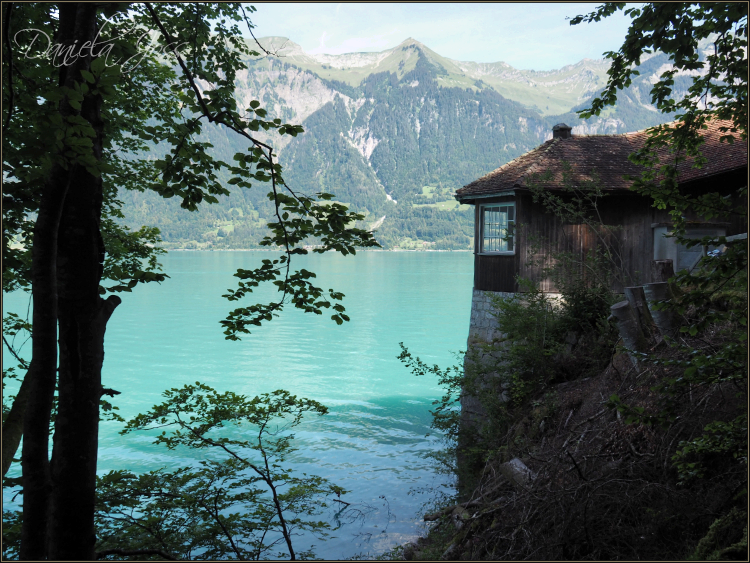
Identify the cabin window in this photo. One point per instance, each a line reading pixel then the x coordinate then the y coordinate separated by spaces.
pixel 497 228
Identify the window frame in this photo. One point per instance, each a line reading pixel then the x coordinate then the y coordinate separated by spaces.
pixel 511 223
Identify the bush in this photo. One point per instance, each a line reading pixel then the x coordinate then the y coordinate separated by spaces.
pixel 546 340
pixel 532 330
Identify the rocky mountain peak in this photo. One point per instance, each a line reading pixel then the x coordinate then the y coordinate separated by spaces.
pixel 409 41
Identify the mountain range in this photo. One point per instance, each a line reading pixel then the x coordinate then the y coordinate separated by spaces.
pixel 393 135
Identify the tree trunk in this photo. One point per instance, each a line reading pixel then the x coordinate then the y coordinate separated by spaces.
pixel 666 321
pixel 83 317
pixel 41 374
pixel 661 270
pixel 42 371
pixel 637 299
pixel 58 518
pixel 13 425
pixel 629 327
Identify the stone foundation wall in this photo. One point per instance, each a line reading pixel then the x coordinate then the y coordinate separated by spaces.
pixel 483 325
pixel 483 330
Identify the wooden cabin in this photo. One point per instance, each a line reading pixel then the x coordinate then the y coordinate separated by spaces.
pixel 511 229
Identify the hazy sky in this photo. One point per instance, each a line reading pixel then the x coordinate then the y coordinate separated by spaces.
pixel 525 35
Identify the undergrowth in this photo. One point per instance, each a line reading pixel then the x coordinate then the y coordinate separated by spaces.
pixel 641 459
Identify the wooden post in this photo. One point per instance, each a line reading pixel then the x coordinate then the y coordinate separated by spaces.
pixel 665 321
pixel 637 299
pixel 629 327
pixel 661 270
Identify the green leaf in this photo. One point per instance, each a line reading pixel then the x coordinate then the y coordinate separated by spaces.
pixel 98 65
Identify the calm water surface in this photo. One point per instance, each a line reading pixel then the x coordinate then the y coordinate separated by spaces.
pixel 373 441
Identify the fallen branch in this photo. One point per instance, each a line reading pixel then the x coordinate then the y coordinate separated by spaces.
pixel 431 517
pixel 589 419
pixel 575 464
pixel 632 449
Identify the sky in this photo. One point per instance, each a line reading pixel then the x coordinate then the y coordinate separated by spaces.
pixel 533 36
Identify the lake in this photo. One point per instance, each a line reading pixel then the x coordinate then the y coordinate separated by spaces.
pixel 373 442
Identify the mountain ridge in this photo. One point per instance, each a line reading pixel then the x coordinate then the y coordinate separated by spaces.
pixel 393 134
pixel 515 84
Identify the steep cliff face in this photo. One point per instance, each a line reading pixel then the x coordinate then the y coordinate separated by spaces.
pixel 413 132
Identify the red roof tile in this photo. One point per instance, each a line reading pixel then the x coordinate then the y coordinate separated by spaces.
pixel 604 157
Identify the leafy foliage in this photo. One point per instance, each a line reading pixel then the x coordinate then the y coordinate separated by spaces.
pixel 238 506
pixel 242 504
pixel 301 218
pixel 151 105
pixel 721 83
pixel 445 417
pixel 154 94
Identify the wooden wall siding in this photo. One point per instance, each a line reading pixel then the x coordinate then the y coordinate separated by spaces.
pixel 541 235
pixel 495 272
pixel 630 217
pixel 738 221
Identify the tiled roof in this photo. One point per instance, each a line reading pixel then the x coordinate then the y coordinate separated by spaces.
pixel 604 157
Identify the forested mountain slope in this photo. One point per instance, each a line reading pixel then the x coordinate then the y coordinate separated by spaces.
pixel 392 135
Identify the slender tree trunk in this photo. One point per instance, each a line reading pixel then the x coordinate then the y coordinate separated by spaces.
pixel 66 268
pixel 42 372
pixel 83 317
pixel 13 425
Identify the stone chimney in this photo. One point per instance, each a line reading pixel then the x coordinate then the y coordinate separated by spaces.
pixel 561 131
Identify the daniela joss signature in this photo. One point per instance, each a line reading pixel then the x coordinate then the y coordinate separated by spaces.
pixel 66 55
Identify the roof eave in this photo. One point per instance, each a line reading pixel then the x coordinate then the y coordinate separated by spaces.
pixel 467 199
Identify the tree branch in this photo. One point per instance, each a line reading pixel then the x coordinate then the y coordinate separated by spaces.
pixel 172 44
pixel 265 476
pixel 578 469
pixel 215 515
pixel 250 29
pixel 24 363
pixel 13 425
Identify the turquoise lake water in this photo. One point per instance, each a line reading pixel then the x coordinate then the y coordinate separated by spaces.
pixel 373 441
